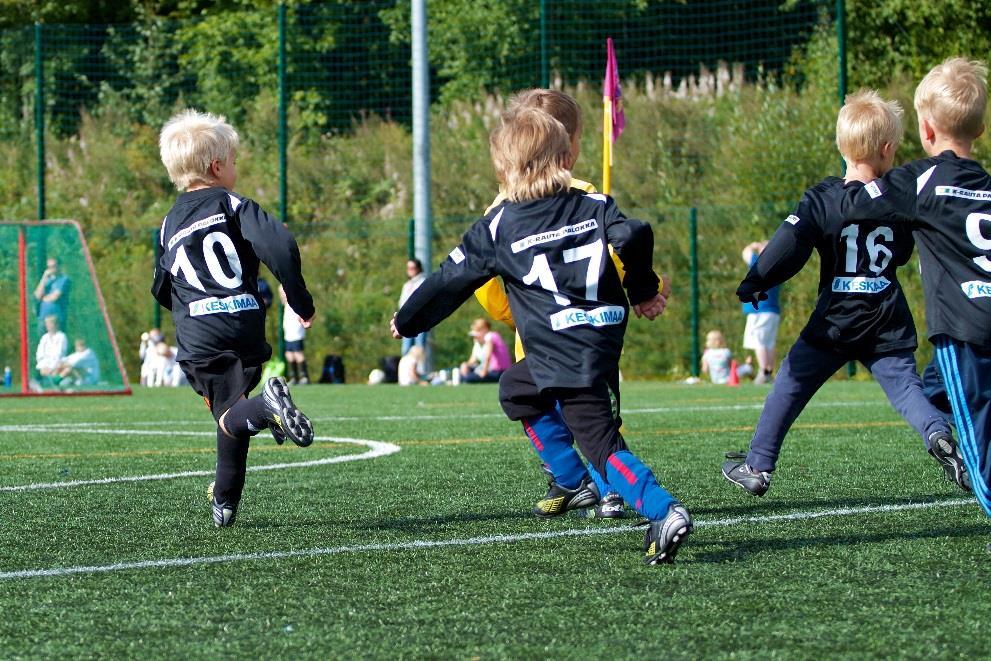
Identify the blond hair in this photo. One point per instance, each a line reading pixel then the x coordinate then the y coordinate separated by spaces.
pixel 866 123
pixel 557 104
pixel 954 95
pixel 191 141
pixel 530 150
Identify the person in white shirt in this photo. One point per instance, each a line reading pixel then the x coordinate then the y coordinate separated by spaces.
pixel 294 334
pixel 81 367
pixel 717 357
pixel 414 271
pixel 52 348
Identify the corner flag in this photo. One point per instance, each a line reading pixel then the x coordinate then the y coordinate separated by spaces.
pixel 613 121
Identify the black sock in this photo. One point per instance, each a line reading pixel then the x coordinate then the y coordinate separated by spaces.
pixel 232 464
pixel 293 371
pixel 246 418
pixel 302 370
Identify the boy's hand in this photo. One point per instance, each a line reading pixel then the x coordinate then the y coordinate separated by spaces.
pixel 651 308
pixel 307 322
pixel 747 293
pixel 392 327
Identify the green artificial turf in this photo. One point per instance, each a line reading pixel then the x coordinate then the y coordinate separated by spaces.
pixel 363 582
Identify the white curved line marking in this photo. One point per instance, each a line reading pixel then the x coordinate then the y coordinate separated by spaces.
pixel 375 449
pixel 473 541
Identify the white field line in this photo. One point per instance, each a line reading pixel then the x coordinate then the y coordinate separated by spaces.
pixel 69 427
pixel 375 449
pixel 472 541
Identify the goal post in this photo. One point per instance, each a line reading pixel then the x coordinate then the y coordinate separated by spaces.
pixel 55 335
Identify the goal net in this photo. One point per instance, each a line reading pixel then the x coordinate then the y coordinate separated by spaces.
pixel 55 336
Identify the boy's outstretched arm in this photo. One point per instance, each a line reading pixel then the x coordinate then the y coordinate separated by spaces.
pixel 465 269
pixel 893 197
pixel 633 242
pixel 784 255
pixel 277 249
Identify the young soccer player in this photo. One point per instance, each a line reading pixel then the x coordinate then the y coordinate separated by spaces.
pixel 212 241
pixel 549 244
pixel 946 200
pixel 861 312
pixel 571 484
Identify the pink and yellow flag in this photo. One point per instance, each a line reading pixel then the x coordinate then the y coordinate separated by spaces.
pixel 613 120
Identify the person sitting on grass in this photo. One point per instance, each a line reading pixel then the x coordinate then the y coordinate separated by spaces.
pixel 52 348
pixel 549 244
pixel 79 368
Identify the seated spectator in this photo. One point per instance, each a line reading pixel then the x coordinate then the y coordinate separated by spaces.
pixel 146 351
pixel 410 367
pixel 80 368
pixel 489 357
pixel 716 359
pixel 52 348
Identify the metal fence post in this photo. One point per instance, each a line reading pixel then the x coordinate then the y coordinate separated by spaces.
pixel 851 367
pixel 693 253
pixel 39 117
pixel 283 129
pixel 545 76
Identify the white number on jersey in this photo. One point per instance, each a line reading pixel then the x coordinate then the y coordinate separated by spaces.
pixel 978 239
pixel 879 255
pixel 540 271
pixel 183 265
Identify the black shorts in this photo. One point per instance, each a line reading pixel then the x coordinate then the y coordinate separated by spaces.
pixel 592 413
pixel 221 380
pixel 294 345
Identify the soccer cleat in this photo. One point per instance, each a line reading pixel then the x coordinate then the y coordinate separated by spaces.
pixel 750 480
pixel 559 499
pixel 610 507
pixel 944 449
pixel 224 514
pixel 664 537
pixel 285 420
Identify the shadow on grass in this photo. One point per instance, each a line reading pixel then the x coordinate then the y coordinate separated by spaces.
pixel 736 551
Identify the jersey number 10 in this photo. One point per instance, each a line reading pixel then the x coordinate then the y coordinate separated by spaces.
pixel 183 265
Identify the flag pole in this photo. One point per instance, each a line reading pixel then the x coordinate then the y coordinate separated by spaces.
pixel 606 144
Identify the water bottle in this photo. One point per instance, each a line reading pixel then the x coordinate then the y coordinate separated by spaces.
pixel 8 377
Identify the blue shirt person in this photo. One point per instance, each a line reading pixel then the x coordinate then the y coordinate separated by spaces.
pixel 52 294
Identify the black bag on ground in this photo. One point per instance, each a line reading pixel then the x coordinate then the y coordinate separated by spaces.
pixel 333 370
pixel 390 365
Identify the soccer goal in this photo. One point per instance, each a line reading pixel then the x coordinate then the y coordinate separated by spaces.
pixel 55 336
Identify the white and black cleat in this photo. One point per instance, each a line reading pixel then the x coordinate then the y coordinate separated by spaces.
pixel 224 514
pixel 285 420
pixel 664 537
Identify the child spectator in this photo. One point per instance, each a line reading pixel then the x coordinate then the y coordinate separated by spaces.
pixel 489 356
pixel 861 313
pixel 146 352
pixel 52 348
pixel 761 332
pixel 81 367
pixel 294 334
pixel 212 243
pixel 409 373
pixel 548 242
pixel 716 358
pixel 571 484
pixel 946 200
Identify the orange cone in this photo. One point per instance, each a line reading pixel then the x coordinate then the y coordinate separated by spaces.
pixel 734 377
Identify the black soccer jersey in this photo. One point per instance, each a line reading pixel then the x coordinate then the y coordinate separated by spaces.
pixel 564 291
pixel 861 309
pixel 947 200
pixel 212 241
